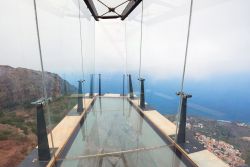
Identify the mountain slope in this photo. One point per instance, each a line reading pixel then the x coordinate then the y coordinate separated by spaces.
pixel 22 86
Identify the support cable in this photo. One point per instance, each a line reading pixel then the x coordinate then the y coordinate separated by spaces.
pixel 141 35
pixel 116 153
pixel 81 42
pixel 126 49
pixel 126 55
pixel 121 4
pixel 184 65
pixel 187 46
pixel 94 34
pixel 42 68
pixel 141 40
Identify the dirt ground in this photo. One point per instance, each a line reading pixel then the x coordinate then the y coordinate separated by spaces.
pixel 12 152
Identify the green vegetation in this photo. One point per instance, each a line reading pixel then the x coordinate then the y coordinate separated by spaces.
pixel 230 133
pixel 59 108
pixel 1 114
pixel 10 118
pixel 247 157
pixel 5 134
pixel 24 117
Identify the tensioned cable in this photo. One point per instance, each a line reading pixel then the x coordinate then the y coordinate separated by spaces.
pixel 81 42
pixel 80 28
pixel 141 40
pixel 126 49
pixel 187 46
pixel 115 153
pixel 186 51
pixel 184 65
pixel 40 50
pixel 42 68
pixel 125 55
pixel 184 69
pixel 140 67
pixel 94 45
pixel 121 4
pixel 112 9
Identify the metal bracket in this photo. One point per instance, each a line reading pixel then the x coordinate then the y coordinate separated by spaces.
pixel 42 101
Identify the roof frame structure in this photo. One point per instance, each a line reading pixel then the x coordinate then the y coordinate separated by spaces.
pixel 132 4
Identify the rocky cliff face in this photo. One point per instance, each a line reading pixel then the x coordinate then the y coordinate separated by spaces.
pixel 22 86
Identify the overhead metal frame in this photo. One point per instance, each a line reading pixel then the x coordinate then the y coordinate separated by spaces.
pixel 92 8
pixel 129 8
pixel 132 4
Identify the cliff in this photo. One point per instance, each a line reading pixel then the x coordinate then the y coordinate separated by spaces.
pixel 22 86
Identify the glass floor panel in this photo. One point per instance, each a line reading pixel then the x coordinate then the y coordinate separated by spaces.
pixel 115 134
pixel 161 157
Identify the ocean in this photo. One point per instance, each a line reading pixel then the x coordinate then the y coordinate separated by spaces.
pixel 219 98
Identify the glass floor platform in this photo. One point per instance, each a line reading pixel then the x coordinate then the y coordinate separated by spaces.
pixel 114 134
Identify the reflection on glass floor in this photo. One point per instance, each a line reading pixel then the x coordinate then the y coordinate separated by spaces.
pixel 114 134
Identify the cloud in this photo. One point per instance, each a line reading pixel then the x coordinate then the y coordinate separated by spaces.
pixel 219 41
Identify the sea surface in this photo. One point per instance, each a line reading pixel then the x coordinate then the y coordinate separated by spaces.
pixel 219 98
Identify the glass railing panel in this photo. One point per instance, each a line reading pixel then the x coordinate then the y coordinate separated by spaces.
pixel 111 83
pixel 20 84
pixel 218 111
pixel 88 52
pixel 56 93
pixel 17 115
pixel 160 54
pixel 56 44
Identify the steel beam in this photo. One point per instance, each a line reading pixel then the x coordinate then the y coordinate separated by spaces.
pixel 109 17
pixel 92 8
pixel 129 8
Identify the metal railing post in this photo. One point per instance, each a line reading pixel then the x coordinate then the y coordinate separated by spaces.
pixel 91 93
pixel 80 97
pixel 42 139
pixel 131 92
pixel 181 136
pixel 123 85
pixel 100 88
pixel 142 95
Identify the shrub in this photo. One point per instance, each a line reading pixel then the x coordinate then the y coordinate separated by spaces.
pixel 3 137
pixel 5 134
pixel 1 114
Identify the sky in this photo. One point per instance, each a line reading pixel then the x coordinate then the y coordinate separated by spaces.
pixel 218 62
pixel 219 38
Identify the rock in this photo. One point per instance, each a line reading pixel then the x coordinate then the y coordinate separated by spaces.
pixel 22 86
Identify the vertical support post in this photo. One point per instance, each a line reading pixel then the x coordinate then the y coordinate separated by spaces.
pixel 42 139
pixel 123 85
pixel 80 101
pixel 100 88
pixel 131 92
pixel 91 93
pixel 181 136
pixel 142 95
